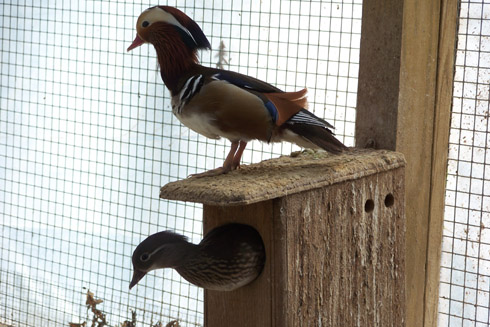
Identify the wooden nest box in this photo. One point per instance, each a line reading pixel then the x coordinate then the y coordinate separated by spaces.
pixel 334 232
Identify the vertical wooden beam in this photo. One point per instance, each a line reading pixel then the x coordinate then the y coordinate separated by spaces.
pixel 416 113
pixel 379 71
pixel 404 100
pixel 444 95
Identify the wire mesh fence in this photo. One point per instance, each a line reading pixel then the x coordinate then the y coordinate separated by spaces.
pixel 465 265
pixel 87 137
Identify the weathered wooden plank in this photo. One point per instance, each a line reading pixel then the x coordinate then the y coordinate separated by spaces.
pixel 444 96
pixel 379 74
pixel 281 176
pixel 415 134
pixel 345 259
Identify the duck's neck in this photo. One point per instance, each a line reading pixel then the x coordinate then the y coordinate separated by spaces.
pixel 181 254
pixel 174 57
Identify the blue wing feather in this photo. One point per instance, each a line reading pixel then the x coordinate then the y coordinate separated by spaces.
pixel 272 110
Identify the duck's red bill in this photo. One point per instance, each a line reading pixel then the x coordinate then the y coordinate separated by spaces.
pixel 136 43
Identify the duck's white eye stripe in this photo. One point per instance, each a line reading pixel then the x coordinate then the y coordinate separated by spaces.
pixel 156 250
pixel 157 14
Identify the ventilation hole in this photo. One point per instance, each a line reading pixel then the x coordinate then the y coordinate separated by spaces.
pixel 369 206
pixel 389 200
pixel 329 206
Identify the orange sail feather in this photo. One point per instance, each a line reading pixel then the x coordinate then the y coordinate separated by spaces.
pixel 287 104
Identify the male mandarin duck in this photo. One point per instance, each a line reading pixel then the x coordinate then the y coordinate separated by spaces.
pixel 219 103
pixel 228 257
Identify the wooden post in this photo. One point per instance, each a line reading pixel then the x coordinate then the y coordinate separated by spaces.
pixel 404 101
pixel 333 228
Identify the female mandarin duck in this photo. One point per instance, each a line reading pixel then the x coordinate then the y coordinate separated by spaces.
pixel 228 257
pixel 219 103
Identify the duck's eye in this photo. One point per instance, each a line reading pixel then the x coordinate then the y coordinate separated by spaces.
pixel 145 23
pixel 144 257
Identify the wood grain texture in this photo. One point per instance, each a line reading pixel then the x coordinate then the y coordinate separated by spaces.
pixel 415 132
pixel 379 74
pixel 329 261
pixel 420 41
pixel 281 176
pixel 444 96
pixel 345 265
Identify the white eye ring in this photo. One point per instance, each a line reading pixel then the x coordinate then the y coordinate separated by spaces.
pixel 145 23
pixel 144 257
